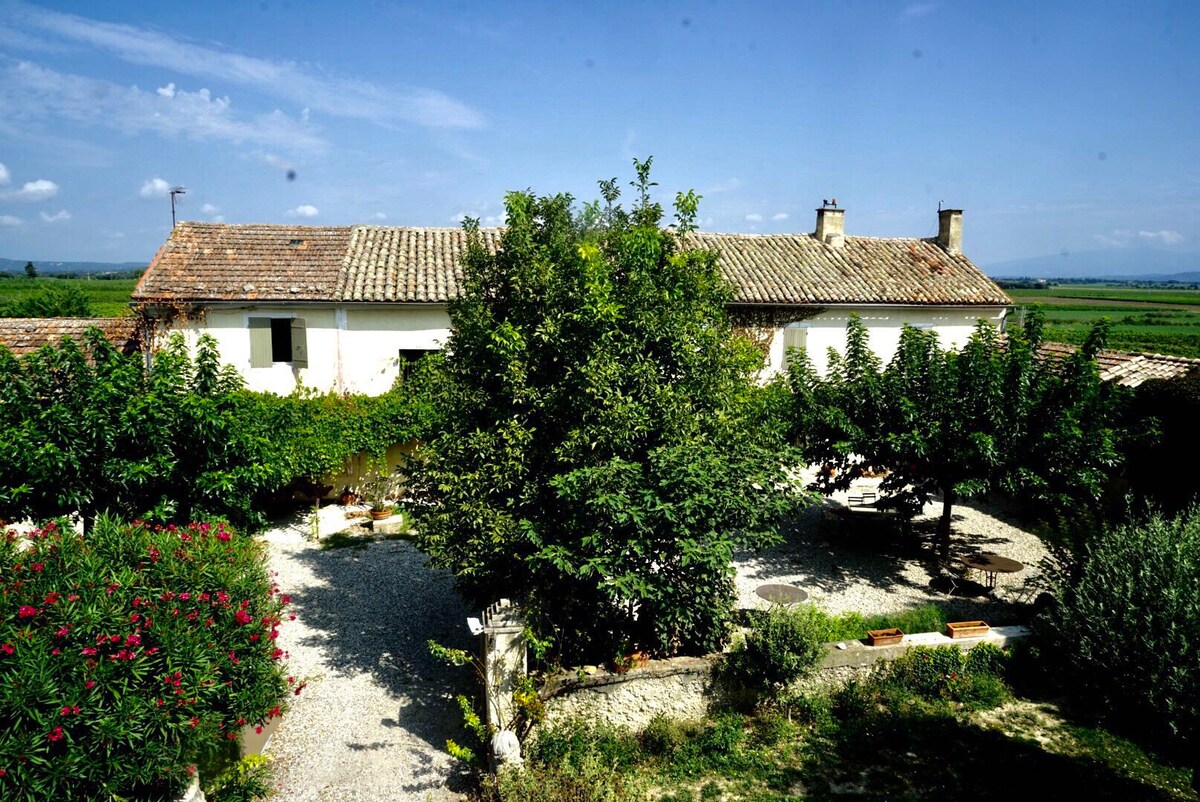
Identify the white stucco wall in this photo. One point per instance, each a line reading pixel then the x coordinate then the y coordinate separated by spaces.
pixel 356 348
pixel 350 348
pixel 884 323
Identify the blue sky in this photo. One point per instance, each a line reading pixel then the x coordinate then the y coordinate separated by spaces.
pixel 1058 127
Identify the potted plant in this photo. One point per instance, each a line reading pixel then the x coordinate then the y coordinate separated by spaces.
pixel 885 637
pixel 380 493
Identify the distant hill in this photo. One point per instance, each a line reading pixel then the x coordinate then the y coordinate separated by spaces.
pixel 1145 264
pixel 17 266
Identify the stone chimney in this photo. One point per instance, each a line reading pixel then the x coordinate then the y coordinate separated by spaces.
pixel 831 224
pixel 950 230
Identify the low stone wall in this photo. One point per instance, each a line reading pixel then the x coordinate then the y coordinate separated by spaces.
pixel 683 688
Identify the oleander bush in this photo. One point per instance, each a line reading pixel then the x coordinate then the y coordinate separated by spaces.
pixel 130 654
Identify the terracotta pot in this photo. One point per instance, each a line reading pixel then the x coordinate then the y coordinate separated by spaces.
pixel 379 515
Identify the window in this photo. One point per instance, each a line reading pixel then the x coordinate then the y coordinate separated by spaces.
pixel 408 357
pixel 795 335
pixel 278 339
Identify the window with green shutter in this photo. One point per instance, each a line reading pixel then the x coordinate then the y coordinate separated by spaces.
pixel 278 339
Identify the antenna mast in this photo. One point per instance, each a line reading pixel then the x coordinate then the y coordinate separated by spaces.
pixel 175 191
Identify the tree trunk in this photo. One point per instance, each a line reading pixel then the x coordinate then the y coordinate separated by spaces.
pixel 943 527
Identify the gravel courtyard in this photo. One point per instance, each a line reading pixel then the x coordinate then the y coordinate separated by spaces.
pixel 374 718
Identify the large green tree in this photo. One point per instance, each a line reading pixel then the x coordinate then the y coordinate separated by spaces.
pixel 955 424
pixel 592 459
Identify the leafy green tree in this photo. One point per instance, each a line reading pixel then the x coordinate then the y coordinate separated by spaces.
pixel 591 459
pixel 955 424
pixel 50 302
pixel 30 270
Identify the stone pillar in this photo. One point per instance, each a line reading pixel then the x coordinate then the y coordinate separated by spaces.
pixel 504 659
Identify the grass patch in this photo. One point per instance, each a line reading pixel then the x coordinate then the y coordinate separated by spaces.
pixel 346 540
pixel 853 626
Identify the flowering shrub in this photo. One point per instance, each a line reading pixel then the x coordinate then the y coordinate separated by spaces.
pixel 130 654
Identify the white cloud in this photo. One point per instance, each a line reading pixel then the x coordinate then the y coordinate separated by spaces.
pixel 914 10
pixel 208 208
pixel 1123 237
pixel 35 191
pixel 728 185
pixel 1164 237
pixel 779 217
pixel 754 218
pixel 287 80
pixel 306 210
pixel 61 216
pixel 8 221
pixel 167 91
pixel 218 218
pixel 379 216
pixel 155 188
pixel 4 177
pixel 44 93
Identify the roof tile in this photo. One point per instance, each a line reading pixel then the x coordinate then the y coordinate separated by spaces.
pixel 217 262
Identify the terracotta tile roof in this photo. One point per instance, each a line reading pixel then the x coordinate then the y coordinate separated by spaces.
pixel 386 263
pixel 1129 368
pixel 22 335
pixel 800 269
pixel 219 262
pixel 214 262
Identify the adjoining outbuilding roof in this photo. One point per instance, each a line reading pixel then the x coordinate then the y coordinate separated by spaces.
pixel 23 335
pixel 1128 368
pixel 208 262
pixel 221 262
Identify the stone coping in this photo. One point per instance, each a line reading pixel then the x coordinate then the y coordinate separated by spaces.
pixel 841 654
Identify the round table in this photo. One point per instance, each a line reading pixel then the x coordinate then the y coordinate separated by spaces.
pixel 781 594
pixel 992 564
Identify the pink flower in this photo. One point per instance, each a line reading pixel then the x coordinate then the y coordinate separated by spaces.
pixel 222 535
pixel 89 650
pixel 7 648
pixel 242 617
pixel 185 595
pixel 37 567
pixel 89 684
pixel 55 651
pixel 62 633
pixel 26 611
pixel 56 734
pixel 133 640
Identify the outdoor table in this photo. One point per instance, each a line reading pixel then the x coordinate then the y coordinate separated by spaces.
pixel 781 594
pixel 992 564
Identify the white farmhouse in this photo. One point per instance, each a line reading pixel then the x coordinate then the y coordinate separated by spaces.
pixel 347 308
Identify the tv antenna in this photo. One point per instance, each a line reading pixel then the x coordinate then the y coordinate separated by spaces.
pixel 175 191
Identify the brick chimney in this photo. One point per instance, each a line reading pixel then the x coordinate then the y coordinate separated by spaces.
pixel 950 230
pixel 831 224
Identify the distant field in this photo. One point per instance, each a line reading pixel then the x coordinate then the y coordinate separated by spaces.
pixel 108 298
pixel 1154 320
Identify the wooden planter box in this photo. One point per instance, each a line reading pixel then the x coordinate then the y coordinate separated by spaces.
pixel 884 637
pixel 967 629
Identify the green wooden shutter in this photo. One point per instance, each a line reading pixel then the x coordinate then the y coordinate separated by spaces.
pixel 299 343
pixel 260 342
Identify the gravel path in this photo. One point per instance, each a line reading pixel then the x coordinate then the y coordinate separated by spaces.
pixel 373 721
pixel 871 569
